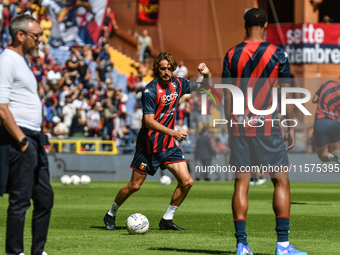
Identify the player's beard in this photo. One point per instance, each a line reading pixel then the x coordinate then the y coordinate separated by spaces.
pixel 33 51
pixel 166 78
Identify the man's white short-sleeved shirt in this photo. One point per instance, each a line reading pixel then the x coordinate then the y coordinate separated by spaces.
pixel 18 89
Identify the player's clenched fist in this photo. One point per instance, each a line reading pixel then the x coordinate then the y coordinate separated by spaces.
pixel 203 69
pixel 180 135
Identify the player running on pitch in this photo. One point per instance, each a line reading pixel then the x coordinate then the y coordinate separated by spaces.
pixel 156 146
pixel 257 64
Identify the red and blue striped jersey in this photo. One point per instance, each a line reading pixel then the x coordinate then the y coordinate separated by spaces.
pixel 256 64
pixel 161 101
pixel 329 101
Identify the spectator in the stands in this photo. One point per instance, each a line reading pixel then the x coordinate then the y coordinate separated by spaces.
pixel 78 123
pixel 51 102
pixel 122 98
pixel 111 71
pixel 93 66
pixel 180 126
pixel 62 95
pixel 105 53
pixel 47 59
pixel 93 121
pixel 221 147
pixel 38 70
pixel 95 52
pixel 131 83
pixel 14 5
pixel 101 73
pixel 46 25
pixel 144 48
pixel 136 120
pixel 72 67
pixel 68 111
pixel 1 26
pixel 140 84
pixel 110 113
pixel 327 19
pixel 181 70
pixel 223 136
pixel 6 37
pixel 102 90
pixel 109 85
pixel 54 76
pixel 84 73
pixel 110 24
pixel 92 95
pixel 65 79
pixel 81 104
pixel 60 129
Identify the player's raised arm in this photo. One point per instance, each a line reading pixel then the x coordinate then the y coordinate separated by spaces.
pixel 204 70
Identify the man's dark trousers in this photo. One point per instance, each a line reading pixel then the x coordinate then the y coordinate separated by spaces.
pixel 28 178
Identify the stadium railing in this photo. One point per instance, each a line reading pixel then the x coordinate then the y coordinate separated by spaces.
pixel 86 147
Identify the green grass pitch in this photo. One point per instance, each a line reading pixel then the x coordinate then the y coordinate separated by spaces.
pixel 77 220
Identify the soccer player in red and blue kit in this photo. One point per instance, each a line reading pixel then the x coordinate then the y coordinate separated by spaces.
pixel 256 140
pixel 156 146
pixel 327 122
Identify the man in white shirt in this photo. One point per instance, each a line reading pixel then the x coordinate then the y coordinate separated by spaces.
pixel 23 160
pixel 143 48
pixel 68 112
pixel 60 129
pixel 54 76
pixel 181 70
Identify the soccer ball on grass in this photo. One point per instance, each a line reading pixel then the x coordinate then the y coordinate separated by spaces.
pixel 165 180
pixel 65 180
pixel 85 179
pixel 75 179
pixel 137 224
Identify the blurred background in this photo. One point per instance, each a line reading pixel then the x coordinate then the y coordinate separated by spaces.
pixel 97 56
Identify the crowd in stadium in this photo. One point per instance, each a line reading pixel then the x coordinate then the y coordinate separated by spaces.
pixel 81 91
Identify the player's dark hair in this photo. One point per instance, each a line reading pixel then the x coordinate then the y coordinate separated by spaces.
pixel 164 56
pixel 255 17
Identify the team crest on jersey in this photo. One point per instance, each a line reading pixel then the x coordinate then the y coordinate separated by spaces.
pixel 142 166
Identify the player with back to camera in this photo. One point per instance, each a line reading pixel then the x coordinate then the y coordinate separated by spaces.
pixel 156 146
pixel 327 121
pixel 262 145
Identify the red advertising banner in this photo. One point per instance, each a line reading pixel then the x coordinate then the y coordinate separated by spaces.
pixel 307 43
pixel 148 10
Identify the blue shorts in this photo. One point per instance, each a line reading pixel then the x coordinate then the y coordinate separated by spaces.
pixel 326 131
pixel 267 152
pixel 149 163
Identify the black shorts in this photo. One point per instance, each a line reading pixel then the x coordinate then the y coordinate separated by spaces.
pixel 149 163
pixel 326 131
pixel 267 152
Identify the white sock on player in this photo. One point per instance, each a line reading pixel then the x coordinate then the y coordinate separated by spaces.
pixel 283 244
pixel 169 214
pixel 331 157
pixel 113 210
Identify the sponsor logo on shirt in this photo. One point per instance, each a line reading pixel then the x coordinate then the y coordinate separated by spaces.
pixel 166 99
